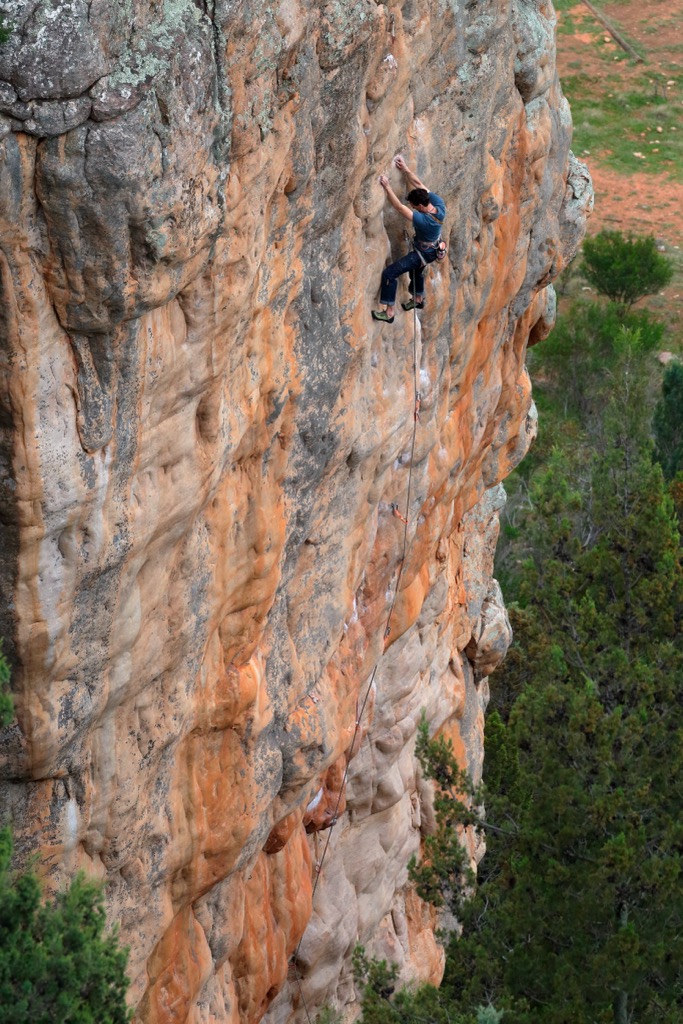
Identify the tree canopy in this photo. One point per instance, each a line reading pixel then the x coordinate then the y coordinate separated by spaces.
pixel 625 267
pixel 668 422
pixel 58 965
pixel 577 914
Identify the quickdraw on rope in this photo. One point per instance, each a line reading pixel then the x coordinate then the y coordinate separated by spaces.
pixel 387 632
pixel 397 512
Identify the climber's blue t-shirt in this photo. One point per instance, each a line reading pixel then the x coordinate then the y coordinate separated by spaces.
pixel 426 227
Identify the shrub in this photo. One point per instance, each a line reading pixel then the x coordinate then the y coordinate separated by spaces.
pixel 625 268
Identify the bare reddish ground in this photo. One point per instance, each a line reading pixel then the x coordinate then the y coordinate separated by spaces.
pixel 644 203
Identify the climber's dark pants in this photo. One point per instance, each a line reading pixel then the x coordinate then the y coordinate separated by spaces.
pixel 407 264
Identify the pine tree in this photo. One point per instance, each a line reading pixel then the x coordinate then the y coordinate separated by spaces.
pixel 423 1004
pixel 578 915
pixel 668 422
pixel 57 964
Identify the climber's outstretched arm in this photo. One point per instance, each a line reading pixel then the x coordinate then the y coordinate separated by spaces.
pixel 410 176
pixel 405 211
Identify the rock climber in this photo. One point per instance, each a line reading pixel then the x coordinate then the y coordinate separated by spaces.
pixel 427 212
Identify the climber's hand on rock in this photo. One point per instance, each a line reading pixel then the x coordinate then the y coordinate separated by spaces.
pixel 400 162
pixel 384 181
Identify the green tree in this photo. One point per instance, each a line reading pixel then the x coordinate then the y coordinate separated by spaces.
pixel 668 422
pixel 57 964
pixel 424 1004
pixel 445 876
pixel 573 379
pixel 625 267
pixel 578 913
pixel 575 364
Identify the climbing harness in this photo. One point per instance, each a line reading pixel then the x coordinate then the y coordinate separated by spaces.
pixel 395 509
pixel 439 248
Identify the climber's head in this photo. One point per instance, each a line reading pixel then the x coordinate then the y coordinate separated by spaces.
pixel 419 198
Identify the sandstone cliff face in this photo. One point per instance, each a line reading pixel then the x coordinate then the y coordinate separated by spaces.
pixel 202 435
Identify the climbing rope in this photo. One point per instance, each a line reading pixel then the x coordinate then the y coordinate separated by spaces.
pixel 387 632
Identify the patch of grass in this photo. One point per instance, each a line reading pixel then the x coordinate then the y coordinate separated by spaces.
pixel 617 126
pixel 566 25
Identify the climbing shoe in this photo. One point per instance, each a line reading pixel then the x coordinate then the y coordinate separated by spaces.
pixel 381 314
pixel 412 304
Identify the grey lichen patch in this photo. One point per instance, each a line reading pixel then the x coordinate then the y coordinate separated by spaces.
pixel 345 26
pixel 54 51
pixel 449 7
pixel 481 33
pixel 264 118
pixel 534 34
pixel 145 57
pixel 136 67
pixel 266 56
pixel 8 96
pixel 268 49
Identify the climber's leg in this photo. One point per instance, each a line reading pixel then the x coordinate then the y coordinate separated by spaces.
pixel 390 276
pixel 416 286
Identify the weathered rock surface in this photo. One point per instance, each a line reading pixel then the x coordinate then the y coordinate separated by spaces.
pixel 203 433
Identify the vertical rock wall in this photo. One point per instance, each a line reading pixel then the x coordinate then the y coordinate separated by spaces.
pixel 201 437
